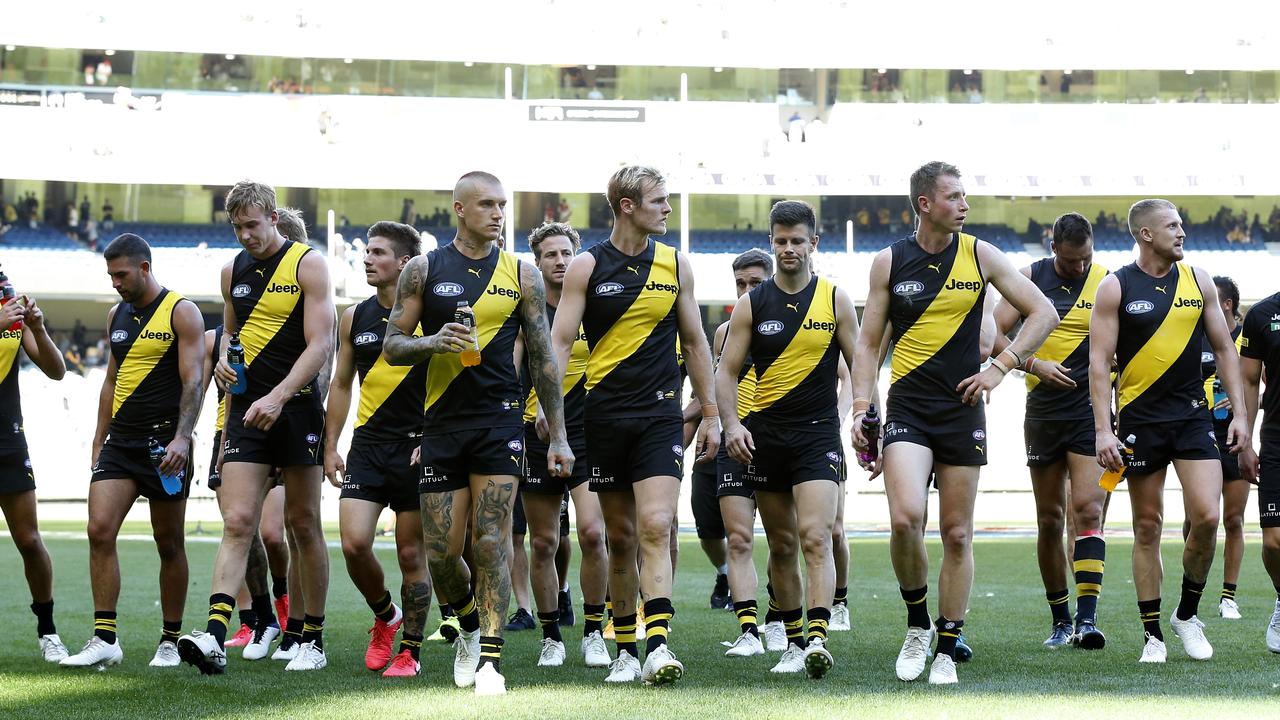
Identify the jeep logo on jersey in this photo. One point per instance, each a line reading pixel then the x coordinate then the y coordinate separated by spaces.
pixel 241 290
pixel 508 292
pixel 287 289
pixel 447 289
pixel 1137 307
pixel 655 285
pixel 819 325
pixel 119 336
pixel 908 288
pixel 365 338
pixel 973 285
pixel 153 335
pixel 515 445
pixel 770 327
pixel 1188 302
pixel 609 288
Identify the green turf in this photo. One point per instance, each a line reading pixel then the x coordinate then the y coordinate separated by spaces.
pixel 1010 676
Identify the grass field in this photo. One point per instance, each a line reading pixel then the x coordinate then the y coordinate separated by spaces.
pixel 1011 675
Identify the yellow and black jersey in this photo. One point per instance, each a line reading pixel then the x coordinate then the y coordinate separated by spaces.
pixel 1158 344
pixel 489 394
pixel 1260 340
pixel 144 344
pixel 391 396
pixel 746 380
pixel 1067 345
pixel 221 417
pixel 935 305
pixel 575 380
pixel 11 430
pixel 268 303
pixel 794 352
pixel 1213 391
pixel 630 322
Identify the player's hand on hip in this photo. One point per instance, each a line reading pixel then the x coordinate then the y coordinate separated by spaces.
pixel 263 413
pixel 334 467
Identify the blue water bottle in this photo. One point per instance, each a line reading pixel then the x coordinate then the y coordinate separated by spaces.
pixel 235 358
pixel 172 483
pixel 1218 396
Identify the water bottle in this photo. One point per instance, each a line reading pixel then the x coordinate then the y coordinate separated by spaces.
pixel 1110 478
pixel 1219 396
pixel 871 431
pixel 235 358
pixel 172 483
pixel 464 316
pixel 7 295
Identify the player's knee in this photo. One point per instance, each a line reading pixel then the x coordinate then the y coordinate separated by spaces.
pixel 353 547
pixel 170 547
pixel 1233 525
pixel 815 540
pixel 957 538
pixel 27 542
pixel 544 544
pixel 740 544
pixel 411 558
pixel 654 528
pixel 906 526
pixel 1050 522
pixel 488 547
pixel 1204 521
pixel 273 537
pixel 101 534
pixel 1270 541
pixel 304 521
pixel 1146 529
pixel 1088 516
pixel 591 538
pixel 783 549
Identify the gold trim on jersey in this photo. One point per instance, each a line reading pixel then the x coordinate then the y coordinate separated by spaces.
pixel 1073 329
pixel 10 342
pixel 633 328
pixel 148 348
pixel 935 327
pixel 796 362
pixel 221 418
pixel 1164 346
pixel 273 309
pixel 573 372
pixel 492 310
pixel 378 384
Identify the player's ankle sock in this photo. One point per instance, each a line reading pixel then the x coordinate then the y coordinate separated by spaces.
pixel 248 617
pixel 44 618
pixel 657 622
pixel 266 614
pixel 842 596
pixel 917 606
pixel 624 634
pixel 550 622
pixel 292 633
pixel 746 611
pixel 819 618
pixel 1228 591
pixel 490 652
pixel 313 630
pixel 793 622
pixel 104 625
pixel 383 608
pixel 279 586
pixel 948 634
pixel 1088 564
pixel 220 607
pixel 1189 603
pixel 468 616
pixel 1149 611
pixel 412 643
pixel 773 613
pixel 1059 605
pixel 171 630
pixel 592 618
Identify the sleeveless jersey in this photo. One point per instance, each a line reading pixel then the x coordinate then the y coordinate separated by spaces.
pixel 746 380
pixel 1261 341
pixel 489 394
pixel 630 322
pixel 1213 391
pixel 575 380
pixel 12 433
pixel 794 349
pixel 935 305
pixel 221 417
pixel 148 392
pixel 391 396
pixel 268 304
pixel 1158 346
pixel 1067 345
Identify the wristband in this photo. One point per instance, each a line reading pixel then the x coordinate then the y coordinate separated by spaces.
pixel 710 410
pixel 1004 369
pixel 1017 358
pixel 1030 365
pixel 860 405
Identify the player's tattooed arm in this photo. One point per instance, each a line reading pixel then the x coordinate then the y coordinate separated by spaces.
pixel 540 358
pixel 415 600
pixel 493 533
pixel 401 347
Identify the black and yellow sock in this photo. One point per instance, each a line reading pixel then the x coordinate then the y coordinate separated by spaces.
pixel 842 596
pixel 468 615
pixel 44 618
pixel 248 617
pixel 383 608
pixel 819 619
pixel 266 614
pixel 292 633
pixel 1088 564
pixel 746 611
pixel 793 622
pixel 104 625
pixel 279 586
pixel 313 630
pixel 490 652
pixel 773 613
pixel 1189 603
pixel 445 610
pixel 550 622
pixel 412 643
pixel 1149 612
pixel 624 634
pixel 1228 591
pixel 1059 605
pixel 592 618
pixel 657 622
pixel 948 633
pixel 171 630
pixel 917 606
pixel 220 607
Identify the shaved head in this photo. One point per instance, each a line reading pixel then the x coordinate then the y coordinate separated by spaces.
pixel 1141 211
pixel 469 183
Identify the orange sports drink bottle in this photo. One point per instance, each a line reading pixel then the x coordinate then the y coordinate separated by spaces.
pixel 1110 479
pixel 464 316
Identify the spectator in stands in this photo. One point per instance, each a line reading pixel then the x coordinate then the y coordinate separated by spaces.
pixel 1237 235
pixel 1101 220
pixel 407 215
pixel 1201 96
pixel 975 93
pixel 33 210
pixel 86 209
pixel 108 216
pixel 863 219
pixel 71 221
pixel 1256 230
pixel 88 74
pixel 8 216
pixel 1113 223
pixel 103 72
pixel 883 217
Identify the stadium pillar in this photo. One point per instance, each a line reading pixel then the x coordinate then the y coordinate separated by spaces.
pixel 848 236
pixel 507 83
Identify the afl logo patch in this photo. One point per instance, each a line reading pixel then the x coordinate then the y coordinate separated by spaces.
pixel 1137 307
pixel 908 288
pixel 119 336
pixel 770 327
pixel 365 338
pixel 515 445
pixel 447 289
pixel 979 434
pixel 312 438
pixel 833 456
pixel 27 463
pixel 241 290
pixel 678 450
pixel 1206 357
pixel 609 288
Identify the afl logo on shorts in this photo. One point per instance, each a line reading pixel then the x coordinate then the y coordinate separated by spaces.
pixel 27 463
pixel 833 456
pixel 365 338
pixel 1137 307
pixel 515 445
pixel 770 327
pixel 312 438
pixel 119 336
pixel 979 434
pixel 908 288
pixel 447 289
pixel 241 290
pixel 609 288
pixel 679 451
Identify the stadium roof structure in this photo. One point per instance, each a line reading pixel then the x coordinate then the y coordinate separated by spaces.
pixel 995 34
